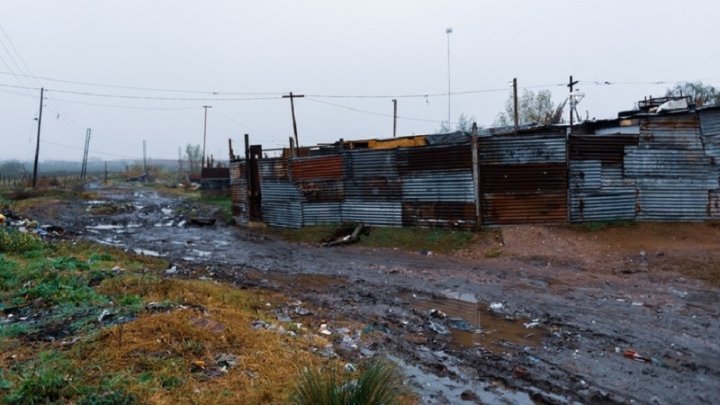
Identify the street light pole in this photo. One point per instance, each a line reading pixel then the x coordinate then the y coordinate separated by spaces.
pixel 448 31
pixel 204 134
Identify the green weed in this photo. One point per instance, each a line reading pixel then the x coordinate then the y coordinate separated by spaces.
pixel 13 241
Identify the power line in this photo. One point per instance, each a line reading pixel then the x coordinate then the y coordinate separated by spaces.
pixel 369 112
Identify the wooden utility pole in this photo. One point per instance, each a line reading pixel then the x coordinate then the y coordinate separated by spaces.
pixel 394 117
pixel 144 157
pixel 83 170
pixel 515 105
pixel 571 101
pixel 37 145
pixel 292 96
pixel 204 134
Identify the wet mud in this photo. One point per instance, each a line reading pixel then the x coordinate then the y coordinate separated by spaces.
pixel 525 330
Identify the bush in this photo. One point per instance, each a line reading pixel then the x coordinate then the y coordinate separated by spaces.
pixel 45 382
pixel 378 384
pixel 12 241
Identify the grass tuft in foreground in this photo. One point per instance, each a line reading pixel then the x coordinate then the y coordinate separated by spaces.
pixel 379 384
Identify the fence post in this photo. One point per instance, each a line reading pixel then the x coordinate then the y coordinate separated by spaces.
pixel 476 177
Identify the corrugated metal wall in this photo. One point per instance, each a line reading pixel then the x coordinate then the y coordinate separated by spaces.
pixel 523 178
pixel 598 191
pixel 655 168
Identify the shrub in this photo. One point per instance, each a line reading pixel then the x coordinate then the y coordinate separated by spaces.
pixel 12 241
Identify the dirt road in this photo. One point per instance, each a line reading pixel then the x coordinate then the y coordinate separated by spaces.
pixel 554 315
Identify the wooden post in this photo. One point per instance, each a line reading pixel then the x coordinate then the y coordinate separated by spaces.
pixel 292 96
pixel 476 177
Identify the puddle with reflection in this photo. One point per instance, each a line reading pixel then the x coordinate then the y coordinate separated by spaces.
pixel 471 324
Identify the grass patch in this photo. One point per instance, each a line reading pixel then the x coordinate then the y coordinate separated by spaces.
pixel 413 239
pixel 595 226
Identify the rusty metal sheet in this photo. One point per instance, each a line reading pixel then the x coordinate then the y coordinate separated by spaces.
pixel 522 149
pixel 523 178
pixel 714 204
pixel 524 208
pixel 608 149
pixel 439 214
pixel 434 158
pixel 281 203
pixel 439 186
pixel 677 131
pixel 321 190
pixel 238 191
pixel 317 168
pixel 273 169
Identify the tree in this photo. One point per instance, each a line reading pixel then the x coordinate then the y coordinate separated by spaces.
pixel 464 124
pixel 12 169
pixel 700 93
pixel 193 154
pixel 533 108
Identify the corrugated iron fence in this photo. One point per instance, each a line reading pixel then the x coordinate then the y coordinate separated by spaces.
pixel 666 170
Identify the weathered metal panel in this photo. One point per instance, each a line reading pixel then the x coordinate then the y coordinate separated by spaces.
pixel 321 213
pixel 317 168
pixel 678 131
pixel 670 163
pixel 710 128
pixel 373 189
pixel 672 204
pixel 321 190
pixel 439 214
pixel 523 178
pixel 585 174
pixel 439 186
pixel 714 204
pixel 434 158
pixel 371 163
pixel 607 149
pixel 602 206
pixel 238 191
pixel 281 204
pixel 524 208
pixel 273 169
pixel 523 149
pixel 372 213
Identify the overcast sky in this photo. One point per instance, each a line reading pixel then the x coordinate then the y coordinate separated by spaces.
pixel 253 49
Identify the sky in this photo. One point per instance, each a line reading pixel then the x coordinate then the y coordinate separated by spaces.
pixel 138 70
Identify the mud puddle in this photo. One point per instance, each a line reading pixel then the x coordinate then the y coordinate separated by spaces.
pixel 471 324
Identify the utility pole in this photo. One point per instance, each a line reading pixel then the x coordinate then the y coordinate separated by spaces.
pixel 37 146
pixel 144 157
pixel 571 101
pixel 83 170
pixel 394 117
pixel 292 96
pixel 180 165
pixel 515 105
pixel 204 134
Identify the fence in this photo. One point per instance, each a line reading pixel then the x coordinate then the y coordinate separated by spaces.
pixel 648 168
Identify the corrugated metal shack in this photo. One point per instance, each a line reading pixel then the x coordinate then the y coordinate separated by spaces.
pixel 646 167
pixel 215 182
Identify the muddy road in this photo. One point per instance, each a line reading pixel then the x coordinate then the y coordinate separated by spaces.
pixel 521 329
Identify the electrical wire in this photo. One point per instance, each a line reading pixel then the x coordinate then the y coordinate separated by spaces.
pixel 368 112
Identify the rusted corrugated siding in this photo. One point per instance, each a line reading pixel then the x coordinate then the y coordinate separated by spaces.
pixel 316 168
pixel 321 190
pixel 598 190
pixel 281 203
pixel 238 191
pixel 439 214
pixel 672 171
pixel 523 179
pixel 379 213
pixel 710 128
pixel 273 169
pixel 438 186
pixel 434 158
pixel 524 208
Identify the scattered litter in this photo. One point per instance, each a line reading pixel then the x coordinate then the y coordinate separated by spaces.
pixel 324 330
pixel 260 324
pixel 496 306
pixel 532 324
pixel 106 313
pixel 302 311
pixel 436 313
pixel 632 354
pixel 350 368
pixel 438 328
pixel 637 304
pixel 171 270
pixel 226 360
